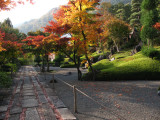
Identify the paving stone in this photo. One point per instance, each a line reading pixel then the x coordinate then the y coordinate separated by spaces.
pixel 27 87
pixel 66 114
pixel 42 99
pixel 36 84
pixel 14 117
pixel 17 90
pixel 40 92
pixel 28 94
pixel 2 116
pixel 32 114
pixel 29 103
pixel 28 91
pixel 50 92
pixel 48 112
pixel 4 102
pixel 29 97
pixel 15 110
pixel 3 108
pixel 57 102
pixel 38 88
pixel 16 101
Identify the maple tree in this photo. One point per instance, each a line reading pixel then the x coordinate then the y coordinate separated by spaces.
pixel 67 45
pixel 117 30
pixel 81 14
pixel 41 45
pixel 9 4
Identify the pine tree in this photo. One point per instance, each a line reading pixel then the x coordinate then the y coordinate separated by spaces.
pixel 148 19
pixel 136 14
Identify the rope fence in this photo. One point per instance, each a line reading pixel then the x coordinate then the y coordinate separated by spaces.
pixel 84 94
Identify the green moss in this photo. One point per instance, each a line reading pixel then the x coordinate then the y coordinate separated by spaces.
pixel 136 67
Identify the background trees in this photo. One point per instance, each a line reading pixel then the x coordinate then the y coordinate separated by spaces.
pixel 135 14
pixel 149 18
pixel 8 4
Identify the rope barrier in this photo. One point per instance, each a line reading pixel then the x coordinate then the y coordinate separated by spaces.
pixel 103 106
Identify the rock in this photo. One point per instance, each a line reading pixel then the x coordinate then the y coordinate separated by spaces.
pixel 112 59
pixel 158 92
pixel 137 48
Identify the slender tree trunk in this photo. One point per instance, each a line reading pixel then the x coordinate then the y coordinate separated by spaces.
pixel 43 66
pixel 78 69
pixel 76 64
pixel 148 42
pixel 116 46
pixel 47 63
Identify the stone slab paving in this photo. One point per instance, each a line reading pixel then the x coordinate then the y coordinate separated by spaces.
pixel 2 116
pixel 3 108
pixel 48 112
pixel 42 99
pixel 29 103
pixel 29 99
pixel 16 110
pixel 66 114
pixel 14 117
pixel 32 114
pixel 57 102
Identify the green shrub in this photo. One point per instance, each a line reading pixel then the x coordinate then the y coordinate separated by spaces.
pixel 70 65
pixel 5 80
pixel 23 61
pixel 12 66
pixel 150 52
pixel 38 59
pixel 136 67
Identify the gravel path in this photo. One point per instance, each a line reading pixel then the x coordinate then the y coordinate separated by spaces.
pixel 128 100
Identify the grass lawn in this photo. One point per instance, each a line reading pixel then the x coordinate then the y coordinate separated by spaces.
pixel 125 67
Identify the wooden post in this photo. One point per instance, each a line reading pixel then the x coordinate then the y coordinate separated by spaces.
pixel 75 99
pixel 53 81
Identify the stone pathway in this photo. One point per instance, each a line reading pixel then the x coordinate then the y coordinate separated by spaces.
pixel 32 99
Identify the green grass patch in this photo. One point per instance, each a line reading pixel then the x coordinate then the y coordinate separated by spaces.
pixel 125 67
pixel 70 65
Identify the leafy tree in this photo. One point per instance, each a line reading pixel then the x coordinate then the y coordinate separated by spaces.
pixel 10 42
pixel 148 19
pixel 121 11
pixel 136 14
pixel 7 22
pixel 117 30
pixel 9 4
pixel 82 16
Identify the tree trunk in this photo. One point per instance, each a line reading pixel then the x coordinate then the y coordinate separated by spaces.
pixel 47 63
pixel 43 67
pixel 78 68
pixel 148 42
pixel 116 46
pixel 90 65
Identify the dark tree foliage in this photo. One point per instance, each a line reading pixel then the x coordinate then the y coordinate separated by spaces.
pixel 121 11
pixel 135 14
pixel 148 19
